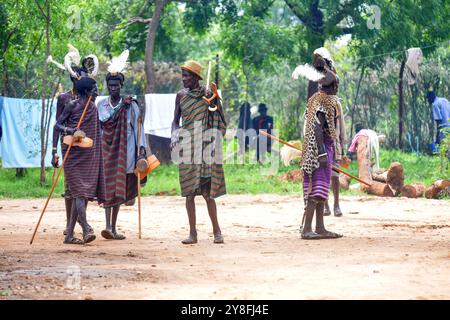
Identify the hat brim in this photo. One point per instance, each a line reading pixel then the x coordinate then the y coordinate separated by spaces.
pixel 190 70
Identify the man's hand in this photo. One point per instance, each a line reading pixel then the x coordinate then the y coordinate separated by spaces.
pixel 323 161
pixel 173 142
pixel 79 135
pixel 142 153
pixel 127 101
pixel 55 160
pixel 70 131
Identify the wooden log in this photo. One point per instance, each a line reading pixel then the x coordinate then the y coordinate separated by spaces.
pixel 363 162
pixel 344 182
pixel 395 177
pixel 414 190
pixel 432 192
pixel 380 189
pixel 380 176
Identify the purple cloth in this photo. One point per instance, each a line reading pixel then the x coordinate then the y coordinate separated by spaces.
pixel 321 177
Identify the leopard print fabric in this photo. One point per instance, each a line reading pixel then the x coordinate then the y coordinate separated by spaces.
pixel 329 105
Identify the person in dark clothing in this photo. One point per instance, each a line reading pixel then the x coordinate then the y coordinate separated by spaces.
pixel 263 122
pixel 245 123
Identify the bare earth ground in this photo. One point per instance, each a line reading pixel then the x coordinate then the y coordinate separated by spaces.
pixel 392 249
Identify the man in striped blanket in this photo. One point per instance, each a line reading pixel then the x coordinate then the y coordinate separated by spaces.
pixel 119 120
pixel 200 140
pixel 83 168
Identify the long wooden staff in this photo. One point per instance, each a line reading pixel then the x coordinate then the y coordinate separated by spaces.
pixel 139 176
pixel 333 166
pixel 59 171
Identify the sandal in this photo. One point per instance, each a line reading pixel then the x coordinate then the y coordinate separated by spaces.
pixel 190 240
pixel 89 238
pixel 73 241
pixel 329 235
pixel 311 235
pixel 218 238
pixel 107 234
pixel 118 236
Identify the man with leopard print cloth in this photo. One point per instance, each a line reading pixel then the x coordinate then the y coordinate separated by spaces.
pixel 321 116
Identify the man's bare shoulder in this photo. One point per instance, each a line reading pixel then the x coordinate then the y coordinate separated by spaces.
pixel 183 92
pixel 65 97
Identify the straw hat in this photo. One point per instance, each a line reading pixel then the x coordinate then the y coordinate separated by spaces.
pixel 194 67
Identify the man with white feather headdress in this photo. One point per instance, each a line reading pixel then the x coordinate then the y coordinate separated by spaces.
pixel 119 120
pixel 321 115
pixel 88 68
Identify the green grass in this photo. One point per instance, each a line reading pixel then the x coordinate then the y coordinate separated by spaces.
pixel 240 179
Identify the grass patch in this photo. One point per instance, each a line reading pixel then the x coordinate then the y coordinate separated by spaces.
pixel 240 179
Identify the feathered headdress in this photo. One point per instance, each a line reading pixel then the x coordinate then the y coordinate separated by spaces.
pixel 308 72
pixel 118 64
pixel 90 63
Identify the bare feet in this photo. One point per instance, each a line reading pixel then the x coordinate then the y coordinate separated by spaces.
pixel 337 211
pixel 326 210
pixel 325 234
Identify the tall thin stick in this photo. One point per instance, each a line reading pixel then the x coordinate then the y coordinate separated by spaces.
pixel 139 176
pixel 333 166
pixel 59 172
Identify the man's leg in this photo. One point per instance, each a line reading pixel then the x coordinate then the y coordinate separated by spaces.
pixel 70 239
pixel 81 205
pixel 335 186
pixel 115 214
pixel 190 208
pixel 68 203
pixel 107 232
pixel 212 211
pixel 326 210
pixel 320 227
pixel 310 208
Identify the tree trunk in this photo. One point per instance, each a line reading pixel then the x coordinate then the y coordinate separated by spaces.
pixel 150 45
pixel 380 176
pixel 344 182
pixel 363 162
pixel 379 189
pixel 433 191
pixel 414 190
pixel 401 105
pixel 44 93
pixel 395 177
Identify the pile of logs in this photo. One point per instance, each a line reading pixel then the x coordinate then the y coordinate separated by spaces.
pixel 390 182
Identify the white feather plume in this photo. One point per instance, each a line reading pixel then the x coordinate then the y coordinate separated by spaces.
pixel 94 58
pixel 74 54
pixel 288 154
pixel 59 65
pixel 308 72
pixel 118 64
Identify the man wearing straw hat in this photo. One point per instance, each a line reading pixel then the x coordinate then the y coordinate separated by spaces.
pixel 119 119
pixel 200 141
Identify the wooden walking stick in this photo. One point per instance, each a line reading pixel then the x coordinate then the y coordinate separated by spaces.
pixel 54 170
pixel 59 171
pixel 333 166
pixel 139 176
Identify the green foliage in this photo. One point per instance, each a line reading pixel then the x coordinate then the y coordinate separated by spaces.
pixel 240 179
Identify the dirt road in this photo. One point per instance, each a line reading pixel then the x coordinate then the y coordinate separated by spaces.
pixel 392 249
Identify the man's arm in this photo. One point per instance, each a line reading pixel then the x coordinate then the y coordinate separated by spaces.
pixel 318 132
pixel 59 127
pixel 176 120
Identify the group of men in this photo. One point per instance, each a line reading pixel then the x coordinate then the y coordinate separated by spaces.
pixel 103 170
